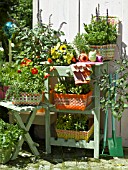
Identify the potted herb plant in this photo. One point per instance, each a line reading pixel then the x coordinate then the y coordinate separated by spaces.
pixel 74 126
pixel 9 136
pixel 100 35
pixel 68 95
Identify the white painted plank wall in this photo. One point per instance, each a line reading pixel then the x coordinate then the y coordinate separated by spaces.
pixel 68 11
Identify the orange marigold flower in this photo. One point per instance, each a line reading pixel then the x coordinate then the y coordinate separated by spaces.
pixel 34 70
pixel 25 62
pixel 46 75
pixel 49 60
pixel 74 59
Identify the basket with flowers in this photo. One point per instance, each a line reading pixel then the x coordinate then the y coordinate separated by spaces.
pixel 63 54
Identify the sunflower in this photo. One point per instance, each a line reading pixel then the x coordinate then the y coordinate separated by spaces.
pixel 63 48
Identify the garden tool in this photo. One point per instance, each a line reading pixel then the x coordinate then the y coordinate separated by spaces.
pixel 115 143
pixel 105 133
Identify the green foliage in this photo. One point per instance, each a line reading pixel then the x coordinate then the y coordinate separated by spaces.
pixel 68 86
pixel 23 78
pixel 100 32
pixel 9 134
pixel 6 7
pixel 77 122
pixel 17 11
pixel 81 43
pixel 115 93
pixel 35 43
pixel 22 13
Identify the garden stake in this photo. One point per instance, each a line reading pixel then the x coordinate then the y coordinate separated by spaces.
pixel 115 143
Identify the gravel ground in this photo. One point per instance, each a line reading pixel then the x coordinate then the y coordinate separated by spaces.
pixel 63 158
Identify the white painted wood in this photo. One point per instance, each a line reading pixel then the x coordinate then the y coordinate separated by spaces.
pixel 62 11
pixel 68 11
pixel 35 10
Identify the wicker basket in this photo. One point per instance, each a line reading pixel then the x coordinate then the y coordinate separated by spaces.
pixel 27 99
pixel 77 135
pixel 107 51
pixel 72 101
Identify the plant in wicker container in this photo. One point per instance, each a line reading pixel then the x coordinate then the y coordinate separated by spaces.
pixel 25 80
pixel 25 76
pixel 74 126
pixel 9 136
pixel 100 35
pixel 68 95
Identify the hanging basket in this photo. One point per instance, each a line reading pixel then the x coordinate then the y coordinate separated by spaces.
pixel 27 99
pixel 107 51
pixel 72 101
pixel 77 135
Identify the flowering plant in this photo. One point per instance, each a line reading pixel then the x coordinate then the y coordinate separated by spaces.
pixel 62 54
pixel 25 76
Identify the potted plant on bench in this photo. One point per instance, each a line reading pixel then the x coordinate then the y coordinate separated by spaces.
pixel 100 35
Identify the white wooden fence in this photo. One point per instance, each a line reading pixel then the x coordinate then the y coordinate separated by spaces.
pixel 77 12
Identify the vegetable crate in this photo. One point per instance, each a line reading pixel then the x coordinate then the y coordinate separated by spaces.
pixel 77 135
pixel 27 99
pixel 72 101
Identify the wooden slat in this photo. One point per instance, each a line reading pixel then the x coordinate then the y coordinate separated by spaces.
pixel 72 143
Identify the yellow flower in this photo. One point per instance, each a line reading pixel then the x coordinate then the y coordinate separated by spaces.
pixel 55 55
pixel 69 58
pixel 63 48
pixel 57 46
pixel 53 50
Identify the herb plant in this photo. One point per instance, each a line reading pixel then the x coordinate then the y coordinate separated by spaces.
pixel 102 30
pixel 77 122
pixel 69 87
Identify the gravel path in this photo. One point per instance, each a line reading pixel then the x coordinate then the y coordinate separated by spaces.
pixel 63 158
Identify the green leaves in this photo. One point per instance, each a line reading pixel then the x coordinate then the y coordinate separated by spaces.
pixel 9 134
pixel 34 42
pixel 114 94
pixel 68 87
pixel 77 122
